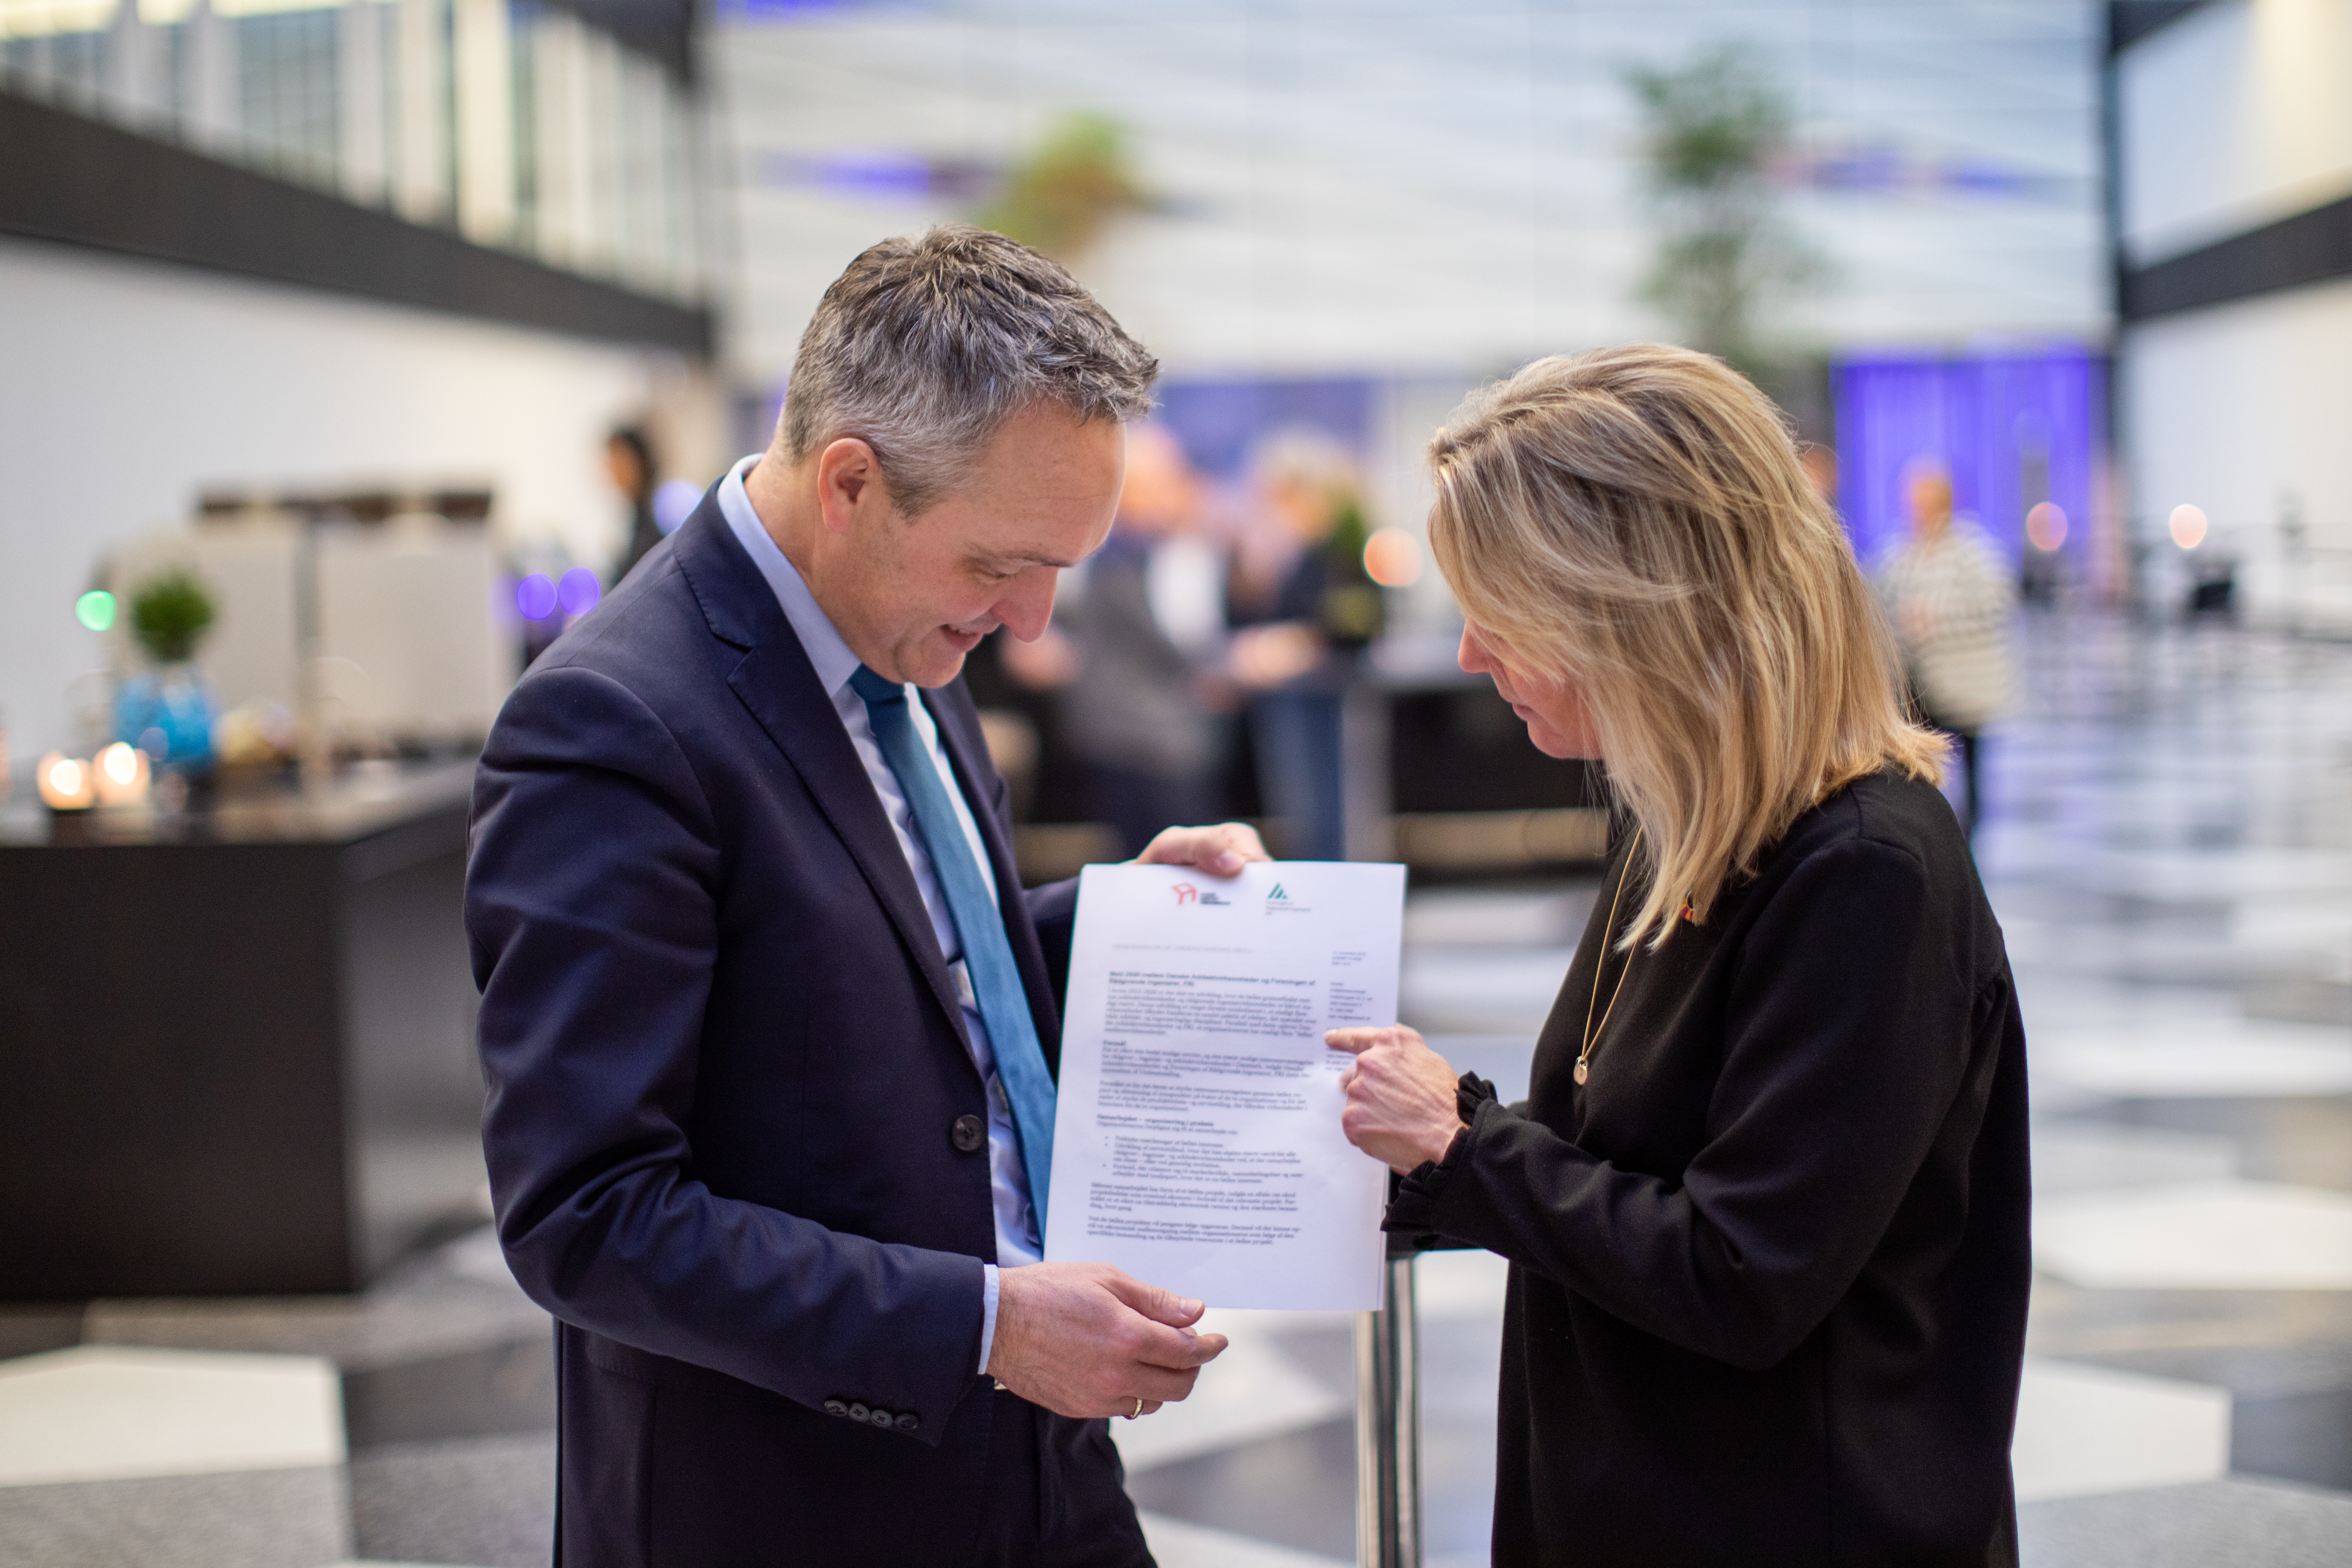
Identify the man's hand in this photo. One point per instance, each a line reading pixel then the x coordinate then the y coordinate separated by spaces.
pixel 1086 1339
pixel 1222 850
pixel 1400 1097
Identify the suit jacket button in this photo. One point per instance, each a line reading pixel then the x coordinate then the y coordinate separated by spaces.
pixel 967 1134
pixel 836 1408
pixel 880 1418
pixel 908 1421
pixel 859 1413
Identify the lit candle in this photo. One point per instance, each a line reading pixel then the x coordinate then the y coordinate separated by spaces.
pixel 120 771
pixel 66 784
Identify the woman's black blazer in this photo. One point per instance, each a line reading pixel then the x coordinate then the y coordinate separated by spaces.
pixel 1770 1264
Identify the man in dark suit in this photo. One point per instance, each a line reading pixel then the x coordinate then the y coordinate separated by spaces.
pixel 767 1022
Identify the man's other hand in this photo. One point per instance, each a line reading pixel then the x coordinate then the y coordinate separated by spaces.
pixel 1086 1339
pixel 1220 850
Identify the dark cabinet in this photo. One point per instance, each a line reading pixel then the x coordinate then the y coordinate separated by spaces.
pixel 235 1046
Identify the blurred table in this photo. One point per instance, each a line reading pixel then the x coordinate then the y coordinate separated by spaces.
pixel 236 1042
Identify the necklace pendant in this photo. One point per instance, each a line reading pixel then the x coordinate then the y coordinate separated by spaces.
pixel 1582 1071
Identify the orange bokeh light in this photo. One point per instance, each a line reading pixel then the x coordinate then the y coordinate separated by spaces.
pixel 1392 557
pixel 64 782
pixel 2045 525
pixel 119 774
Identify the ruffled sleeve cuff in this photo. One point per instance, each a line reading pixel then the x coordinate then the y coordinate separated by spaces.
pixel 1413 1209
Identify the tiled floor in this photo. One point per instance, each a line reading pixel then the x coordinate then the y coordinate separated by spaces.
pixel 2169 845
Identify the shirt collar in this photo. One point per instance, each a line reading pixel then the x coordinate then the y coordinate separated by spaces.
pixel 826 650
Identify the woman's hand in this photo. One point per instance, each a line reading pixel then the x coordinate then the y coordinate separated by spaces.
pixel 1401 1106
pixel 1222 850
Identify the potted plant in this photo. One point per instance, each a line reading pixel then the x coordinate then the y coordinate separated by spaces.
pixel 168 712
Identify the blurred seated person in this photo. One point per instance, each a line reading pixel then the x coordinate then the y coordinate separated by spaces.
pixel 1133 652
pixel 1306 609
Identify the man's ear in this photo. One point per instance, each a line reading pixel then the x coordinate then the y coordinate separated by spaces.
pixel 849 484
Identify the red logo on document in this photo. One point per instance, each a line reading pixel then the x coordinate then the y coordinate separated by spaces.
pixel 1186 893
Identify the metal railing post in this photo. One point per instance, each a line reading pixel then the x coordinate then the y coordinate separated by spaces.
pixel 1388 1428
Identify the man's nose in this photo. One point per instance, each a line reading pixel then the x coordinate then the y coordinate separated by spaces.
pixel 1028 605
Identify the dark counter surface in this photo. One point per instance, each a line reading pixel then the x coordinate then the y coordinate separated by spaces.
pixel 356 802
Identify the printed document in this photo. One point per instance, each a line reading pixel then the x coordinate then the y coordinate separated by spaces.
pixel 1197 1142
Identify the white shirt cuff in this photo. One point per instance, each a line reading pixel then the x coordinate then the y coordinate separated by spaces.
pixel 987 1313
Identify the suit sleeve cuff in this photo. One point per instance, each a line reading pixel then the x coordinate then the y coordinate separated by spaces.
pixel 987 1314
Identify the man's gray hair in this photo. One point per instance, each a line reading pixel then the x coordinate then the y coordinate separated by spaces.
pixel 923 347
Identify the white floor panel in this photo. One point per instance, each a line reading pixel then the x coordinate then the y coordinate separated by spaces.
pixel 2083 1429
pixel 112 1412
pixel 2248 1058
pixel 1251 1392
pixel 1469 1283
pixel 2253 874
pixel 2076 1157
pixel 2208 1236
pixel 1178 1544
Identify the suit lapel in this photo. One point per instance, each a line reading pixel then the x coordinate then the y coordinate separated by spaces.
pixel 779 687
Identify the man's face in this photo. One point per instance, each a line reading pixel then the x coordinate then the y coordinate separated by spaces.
pixel 914 597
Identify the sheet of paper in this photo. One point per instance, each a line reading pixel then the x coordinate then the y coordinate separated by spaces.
pixel 1197 1142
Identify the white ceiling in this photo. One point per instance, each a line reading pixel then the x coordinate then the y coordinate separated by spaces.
pixel 1419 186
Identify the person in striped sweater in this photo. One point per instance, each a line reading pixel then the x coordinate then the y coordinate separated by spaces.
pixel 1951 597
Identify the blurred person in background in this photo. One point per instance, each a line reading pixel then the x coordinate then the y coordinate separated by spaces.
pixel 1133 652
pixel 768 1023
pixel 629 463
pixel 1951 597
pixel 1767 1204
pixel 1307 608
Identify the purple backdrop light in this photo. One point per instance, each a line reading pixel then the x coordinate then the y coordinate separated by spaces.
pixel 535 597
pixel 579 590
pixel 2014 428
pixel 1220 423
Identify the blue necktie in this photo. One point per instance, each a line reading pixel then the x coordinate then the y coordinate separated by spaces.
pixel 987 953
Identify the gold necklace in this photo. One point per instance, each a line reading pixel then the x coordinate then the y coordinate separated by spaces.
pixel 1584 1057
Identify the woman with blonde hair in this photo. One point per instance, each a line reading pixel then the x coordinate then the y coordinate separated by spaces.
pixel 1766 1206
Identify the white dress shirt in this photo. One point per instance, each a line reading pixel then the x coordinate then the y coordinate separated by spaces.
pixel 1017 1229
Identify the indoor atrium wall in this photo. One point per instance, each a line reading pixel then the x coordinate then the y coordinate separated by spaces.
pixel 133 386
pixel 2234 150
pixel 2239 410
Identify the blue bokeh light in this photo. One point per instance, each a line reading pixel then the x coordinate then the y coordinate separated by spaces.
pixel 579 590
pixel 674 503
pixel 535 597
